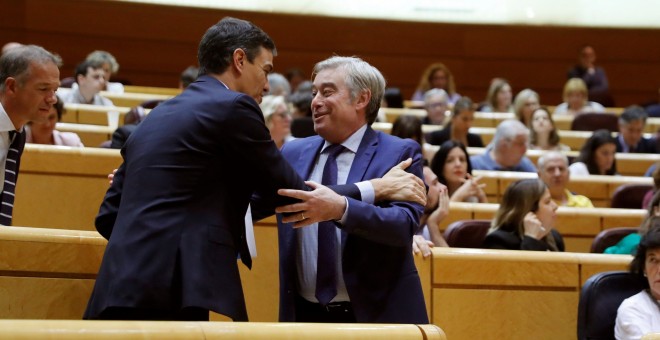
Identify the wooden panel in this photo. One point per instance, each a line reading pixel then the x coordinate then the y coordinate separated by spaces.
pixel 43 298
pixel 505 314
pixel 591 264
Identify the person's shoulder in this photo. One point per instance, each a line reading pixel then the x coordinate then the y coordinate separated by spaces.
pixel 297 144
pixel 526 165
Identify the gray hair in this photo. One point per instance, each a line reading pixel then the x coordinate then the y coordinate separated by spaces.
pixel 360 76
pixel 278 84
pixel 548 156
pixel 435 92
pixel 631 114
pixel 508 130
pixel 103 57
pixel 16 62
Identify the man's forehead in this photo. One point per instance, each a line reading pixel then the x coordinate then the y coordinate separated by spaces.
pixel 555 161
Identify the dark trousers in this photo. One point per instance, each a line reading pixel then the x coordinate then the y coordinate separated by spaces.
pixel 130 313
pixel 335 312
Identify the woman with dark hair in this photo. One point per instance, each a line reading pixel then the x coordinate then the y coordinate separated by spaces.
pixel 45 133
pixel 596 156
pixel 452 166
pixel 640 313
pixel 437 76
pixel 458 128
pixel 407 126
pixel 525 219
pixel 543 132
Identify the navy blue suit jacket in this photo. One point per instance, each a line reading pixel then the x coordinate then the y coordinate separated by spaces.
pixel 378 266
pixel 174 215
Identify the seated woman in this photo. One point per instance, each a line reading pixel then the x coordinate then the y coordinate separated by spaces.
pixel 458 128
pixel 628 244
pixel 640 313
pixel 576 99
pixel 277 118
pixel 499 97
pixel 543 132
pixel 452 166
pixel 437 76
pixel 45 133
pixel 525 219
pixel 596 156
pixel 656 185
pixel 526 102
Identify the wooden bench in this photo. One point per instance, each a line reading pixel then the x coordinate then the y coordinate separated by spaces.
pixel 578 226
pixel 79 329
pixel 90 135
pixel 168 91
pixel 133 99
pixel 111 116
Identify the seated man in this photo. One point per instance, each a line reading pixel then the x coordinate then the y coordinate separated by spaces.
pixel 507 150
pixel 553 171
pixel 436 103
pixel 90 78
pixel 631 127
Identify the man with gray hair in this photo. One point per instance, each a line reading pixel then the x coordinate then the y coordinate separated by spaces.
pixel 436 103
pixel 279 86
pixel 359 266
pixel 507 150
pixel 631 127
pixel 29 77
pixel 553 171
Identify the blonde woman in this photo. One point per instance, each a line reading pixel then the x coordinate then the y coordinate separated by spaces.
pixel 277 118
pixel 437 76
pixel 498 98
pixel 576 99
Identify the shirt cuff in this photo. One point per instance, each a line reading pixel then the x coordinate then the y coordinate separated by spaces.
pixel 367 191
pixel 343 217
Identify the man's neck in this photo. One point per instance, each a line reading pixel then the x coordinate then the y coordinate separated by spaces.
pixel 88 96
pixel 498 159
pixel 558 194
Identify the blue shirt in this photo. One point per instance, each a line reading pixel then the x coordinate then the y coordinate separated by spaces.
pixel 484 162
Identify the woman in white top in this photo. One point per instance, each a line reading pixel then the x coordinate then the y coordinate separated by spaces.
pixel 576 99
pixel 596 156
pixel 640 313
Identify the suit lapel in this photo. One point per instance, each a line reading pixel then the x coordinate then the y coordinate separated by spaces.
pixel 363 156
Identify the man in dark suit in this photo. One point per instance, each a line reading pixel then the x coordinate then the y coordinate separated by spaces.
pixel 174 214
pixel 372 274
pixel 631 127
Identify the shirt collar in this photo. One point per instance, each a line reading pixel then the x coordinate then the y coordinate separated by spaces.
pixel 5 122
pixel 352 142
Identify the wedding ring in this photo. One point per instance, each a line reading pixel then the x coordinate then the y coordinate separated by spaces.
pixel 302 215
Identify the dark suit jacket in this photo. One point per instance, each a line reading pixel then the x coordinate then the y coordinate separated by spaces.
pixel 378 267
pixel 645 145
pixel 501 239
pixel 440 136
pixel 174 215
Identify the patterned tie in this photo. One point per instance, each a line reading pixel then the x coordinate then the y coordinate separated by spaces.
pixel 17 141
pixel 326 262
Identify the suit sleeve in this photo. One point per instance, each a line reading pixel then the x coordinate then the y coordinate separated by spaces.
pixel 105 220
pixel 390 223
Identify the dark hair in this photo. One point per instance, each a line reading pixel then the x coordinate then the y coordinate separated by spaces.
pixel 188 76
pixel 81 69
pixel 393 97
pixel 302 101
pixel 407 126
pixel 59 108
pixel 588 151
pixel 16 62
pixel 461 105
pixel 440 158
pixel 650 241
pixel 221 40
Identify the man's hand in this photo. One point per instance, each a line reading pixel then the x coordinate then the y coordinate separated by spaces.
pixel 421 245
pixel 112 176
pixel 399 185
pixel 321 204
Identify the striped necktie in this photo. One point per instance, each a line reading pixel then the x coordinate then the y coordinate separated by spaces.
pixel 17 142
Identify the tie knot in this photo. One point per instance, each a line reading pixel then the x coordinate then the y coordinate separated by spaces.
pixel 334 150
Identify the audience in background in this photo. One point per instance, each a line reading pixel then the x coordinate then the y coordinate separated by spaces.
pixel 527 101
pixel 91 80
pixel 406 126
pixel 543 133
pixel 593 76
pixel 110 67
pixel 436 103
pixel 498 98
pixel 628 244
pixel 458 127
pixel 437 76
pixel 278 85
pixel 640 314
pixel 507 150
pixel 436 209
pixel 656 185
pixel 452 166
pixel 631 127
pixel 596 156
pixel 553 171
pixel 45 133
pixel 295 76
pixel 653 108
pixel 576 99
pixel 278 118
pixel 392 98
pixel 302 124
pixel 525 219
pixel 188 76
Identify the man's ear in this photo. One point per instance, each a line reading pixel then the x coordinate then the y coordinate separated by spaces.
pixel 363 99
pixel 239 58
pixel 11 84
